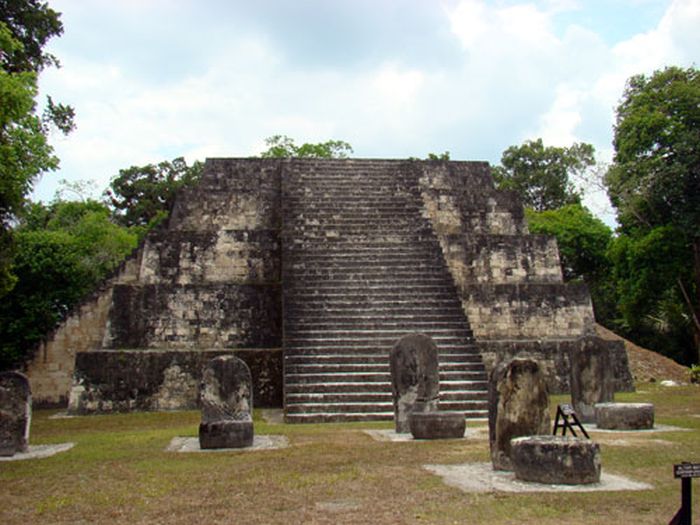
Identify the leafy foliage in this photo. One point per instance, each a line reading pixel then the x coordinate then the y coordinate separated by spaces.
pixel 24 149
pixel 143 195
pixel 542 175
pixel 654 182
pixel 583 239
pixel 645 270
pixel 32 24
pixel 281 146
pixel 583 245
pixel 62 252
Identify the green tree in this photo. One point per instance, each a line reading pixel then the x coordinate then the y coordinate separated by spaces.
pixel 25 27
pixel 32 24
pixel 654 182
pixel 281 146
pixel 62 252
pixel 583 242
pixel 144 195
pixel 542 176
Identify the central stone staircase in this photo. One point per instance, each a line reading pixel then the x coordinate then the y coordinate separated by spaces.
pixel 362 268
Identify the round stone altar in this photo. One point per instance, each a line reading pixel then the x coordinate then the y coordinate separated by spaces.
pixel 624 416
pixel 437 425
pixel 556 460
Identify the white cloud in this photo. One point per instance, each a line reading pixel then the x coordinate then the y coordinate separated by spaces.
pixel 513 72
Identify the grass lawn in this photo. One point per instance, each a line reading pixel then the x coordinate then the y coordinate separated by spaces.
pixel 119 472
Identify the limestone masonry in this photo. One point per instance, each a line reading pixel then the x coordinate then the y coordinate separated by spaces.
pixel 310 270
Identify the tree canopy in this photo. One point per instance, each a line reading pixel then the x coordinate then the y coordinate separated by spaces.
pixel 63 250
pixel 31 24
pixel 654 182
pixel 281 146
pixel 24 149
pixel 143 195
pixel 542 175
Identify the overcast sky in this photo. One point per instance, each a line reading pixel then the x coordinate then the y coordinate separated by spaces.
pixel 151 80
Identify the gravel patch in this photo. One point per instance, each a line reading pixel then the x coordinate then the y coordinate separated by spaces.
pixel 39 451
pixel 191 444
pixel 657 428
pixel 480 477
pixel 391 435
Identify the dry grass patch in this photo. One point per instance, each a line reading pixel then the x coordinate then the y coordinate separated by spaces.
pixel 119 472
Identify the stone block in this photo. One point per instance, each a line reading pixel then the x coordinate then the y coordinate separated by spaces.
pixel 124 380
pixel 437 425
pixel 15 413
pixel 592 376
pixel 226 434
pixel 226 398
pixel 624 416
pixel 518 406
pixel 556 460
pixel 415 379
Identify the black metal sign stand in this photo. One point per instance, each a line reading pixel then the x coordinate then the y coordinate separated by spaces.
pixel 564 412
pixel 686 472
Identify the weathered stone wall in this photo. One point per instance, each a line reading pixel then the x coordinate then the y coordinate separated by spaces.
pixel 510 282
pixel 120 381
pixel 234 194
pixel 209 279
pixel 502 259
pixel 528 311
pixel 195 316
pixel 553 355
pixel 51 370
pixel 187 257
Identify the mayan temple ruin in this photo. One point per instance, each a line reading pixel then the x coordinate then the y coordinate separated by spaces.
pixel 309 270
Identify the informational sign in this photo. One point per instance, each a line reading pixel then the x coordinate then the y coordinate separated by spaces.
pixel 686 470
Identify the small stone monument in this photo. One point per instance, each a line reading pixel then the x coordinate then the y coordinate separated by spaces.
pixel 15 413
pixel 415 379
pixel 227 404
pixel 437 425
pixel 518 406
pixel 556 460
pixel 592 377
pixel 624 416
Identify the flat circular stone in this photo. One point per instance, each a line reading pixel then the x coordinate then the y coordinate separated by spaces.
pixel 226 434
pixel 556 460
pixel 437 425
pixel 624 416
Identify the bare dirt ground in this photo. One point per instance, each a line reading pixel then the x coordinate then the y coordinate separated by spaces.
pixel 645 365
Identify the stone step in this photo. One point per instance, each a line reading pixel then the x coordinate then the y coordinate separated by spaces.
pixel 356 266
pixel 376 357
pixel 322 285
pixel 473 398
pixel 392 323
pixel 339 310
pixel 364 337
pixel 373 377
pixel 310 333
pixel 338 418
pixel 464 371
pixel 471 388
pixel 348 418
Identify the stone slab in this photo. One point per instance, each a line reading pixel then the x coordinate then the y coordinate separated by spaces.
pixel 437 425
pixel 393 436
pixel 556 460
pixel 39 451
pixel 480 477
pixel 624 416
pixel 191 444
pixel 657 428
